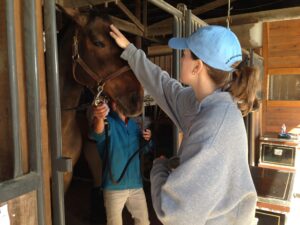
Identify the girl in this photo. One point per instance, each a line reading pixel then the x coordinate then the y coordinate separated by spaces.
pixel 212 184
pixel 124 140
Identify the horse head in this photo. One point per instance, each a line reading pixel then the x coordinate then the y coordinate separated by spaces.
pixel 96 61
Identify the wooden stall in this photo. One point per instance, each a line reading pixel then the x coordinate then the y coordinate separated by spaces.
pixel 282 76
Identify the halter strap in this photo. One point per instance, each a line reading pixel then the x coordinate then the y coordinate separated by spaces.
pixel 96 77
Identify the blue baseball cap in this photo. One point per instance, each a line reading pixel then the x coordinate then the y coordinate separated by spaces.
pixel 216 46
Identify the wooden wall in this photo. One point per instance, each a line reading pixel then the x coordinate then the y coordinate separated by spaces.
pixel 281 51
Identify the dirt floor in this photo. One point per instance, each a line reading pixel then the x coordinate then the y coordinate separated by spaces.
pixel 77 199
pixel 77 203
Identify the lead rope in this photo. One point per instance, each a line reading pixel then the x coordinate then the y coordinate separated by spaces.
pixel 106 162
pixel 142 156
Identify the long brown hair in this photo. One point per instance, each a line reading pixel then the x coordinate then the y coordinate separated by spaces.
pixel 241 83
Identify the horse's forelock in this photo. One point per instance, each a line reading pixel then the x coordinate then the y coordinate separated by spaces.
pixel 95 12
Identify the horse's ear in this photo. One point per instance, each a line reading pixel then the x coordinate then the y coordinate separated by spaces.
pixel 74 14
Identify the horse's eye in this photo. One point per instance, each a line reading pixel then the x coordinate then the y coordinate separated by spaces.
pixel 99 44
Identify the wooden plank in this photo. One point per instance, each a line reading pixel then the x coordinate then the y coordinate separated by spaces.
pixel 264 16
pixel 23 209
pixel 283 104
pixel 138 14
pixel 288 50
pixel 126 26
pixel 273 206
pixel 169 63
pixel 6 145
pixel 283 61
pixel 285 25
pixel 130 15
pixel 210 6
pixel 162 62
pixel 284 39
pixel 44 116
pixel 81 3
pixel 159 50
pixel 284 71
pixel 265 85
pixel 163 27
pixel 288 31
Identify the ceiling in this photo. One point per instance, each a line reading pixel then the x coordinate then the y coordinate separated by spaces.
pixel 203 9
pixel 159 22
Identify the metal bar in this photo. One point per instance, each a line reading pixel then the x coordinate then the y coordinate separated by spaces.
pixel 13 83
pixel 188 23
pixel 166 7
pixel 251 133
pixel 176 68
pixel 144 15
pixel 33 101
pixel 19 186
pixel 54 110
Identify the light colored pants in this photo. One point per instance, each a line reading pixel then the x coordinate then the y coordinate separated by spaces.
pixel 133 199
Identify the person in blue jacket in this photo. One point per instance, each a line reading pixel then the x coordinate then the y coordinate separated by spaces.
pixel 125 138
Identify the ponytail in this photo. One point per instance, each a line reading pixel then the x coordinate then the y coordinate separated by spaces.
pixel 243 88
pixel 242 84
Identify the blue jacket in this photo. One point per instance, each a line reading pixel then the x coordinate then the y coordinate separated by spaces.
pixel 124 141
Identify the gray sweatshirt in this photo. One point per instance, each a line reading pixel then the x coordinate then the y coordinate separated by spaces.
pixel 212 185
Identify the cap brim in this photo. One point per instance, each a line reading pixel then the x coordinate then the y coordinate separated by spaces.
pixel 178 43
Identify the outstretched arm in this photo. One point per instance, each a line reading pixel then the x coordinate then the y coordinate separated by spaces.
pixel 166 91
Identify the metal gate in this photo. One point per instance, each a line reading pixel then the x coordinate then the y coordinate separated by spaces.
pixel 32 181
pixel 184 23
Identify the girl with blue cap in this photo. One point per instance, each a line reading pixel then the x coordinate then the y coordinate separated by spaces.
pixel 212 184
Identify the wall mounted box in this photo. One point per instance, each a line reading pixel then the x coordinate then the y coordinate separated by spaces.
pixel 269 218
pixel 277 155
pixel 274 188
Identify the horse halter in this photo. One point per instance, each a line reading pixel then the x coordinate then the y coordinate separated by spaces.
pixel 100 81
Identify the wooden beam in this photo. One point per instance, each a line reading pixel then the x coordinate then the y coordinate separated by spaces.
pixel 81 3
pixel 163 27
pixel 126 26
pixel 210 6
pixel 130 15
pixel 159 50
pixel 138 14
pixel 263 16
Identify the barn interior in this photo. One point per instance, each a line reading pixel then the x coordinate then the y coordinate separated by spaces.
pixel 269 34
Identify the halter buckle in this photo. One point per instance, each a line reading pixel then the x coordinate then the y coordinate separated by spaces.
pixel 99 99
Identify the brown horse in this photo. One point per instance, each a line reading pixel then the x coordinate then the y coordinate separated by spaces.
pixel 88 56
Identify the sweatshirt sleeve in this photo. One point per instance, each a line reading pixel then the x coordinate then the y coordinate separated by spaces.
pixel 194 186
pixel 165 90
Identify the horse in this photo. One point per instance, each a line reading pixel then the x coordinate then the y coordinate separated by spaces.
pixel 89 57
